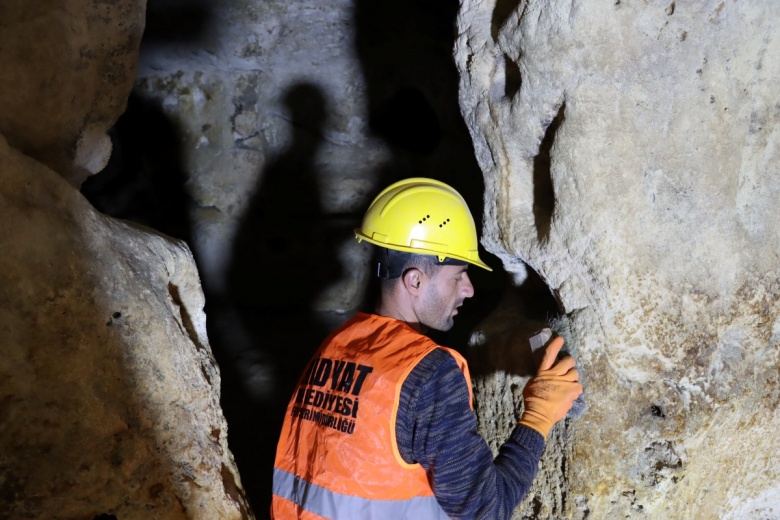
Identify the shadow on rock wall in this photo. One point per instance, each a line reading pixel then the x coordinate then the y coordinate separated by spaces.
pixel 263 329
pixel 284 256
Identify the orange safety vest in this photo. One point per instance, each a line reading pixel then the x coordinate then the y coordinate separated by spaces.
pixel 337 455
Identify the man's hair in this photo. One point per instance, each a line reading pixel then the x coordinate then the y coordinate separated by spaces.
pixel 425 263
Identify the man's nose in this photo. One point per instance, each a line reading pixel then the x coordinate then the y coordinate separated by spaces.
pixel 468 289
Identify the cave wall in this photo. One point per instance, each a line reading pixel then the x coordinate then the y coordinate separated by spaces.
pixel 64 64
pixel 264 130
pixel 299 112
pixel 109 393
pixel 630 158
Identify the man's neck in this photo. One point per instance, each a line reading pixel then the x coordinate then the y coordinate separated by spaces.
pixel 392 310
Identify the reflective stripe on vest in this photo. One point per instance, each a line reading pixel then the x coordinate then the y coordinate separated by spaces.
pixel 329 504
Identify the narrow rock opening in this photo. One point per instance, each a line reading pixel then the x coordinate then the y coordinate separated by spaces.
pixel 544 193
pixel 173 290
pixel 189 326
pixel 539 303
pixel 502 11
pixel 513 79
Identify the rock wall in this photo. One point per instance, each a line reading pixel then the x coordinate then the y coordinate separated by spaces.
pixel 298 113
pixel 109 393
pixel 266 101
pixel 259 132
pixel 68 67
pixel 628 153
pixel 630 159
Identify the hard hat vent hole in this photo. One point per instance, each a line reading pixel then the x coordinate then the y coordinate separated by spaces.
pixel 426 217
pixel 444 223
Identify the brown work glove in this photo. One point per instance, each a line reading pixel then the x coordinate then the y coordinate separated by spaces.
pixel 548 396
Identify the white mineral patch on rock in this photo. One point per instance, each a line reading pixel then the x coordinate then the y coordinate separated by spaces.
pixel 68 67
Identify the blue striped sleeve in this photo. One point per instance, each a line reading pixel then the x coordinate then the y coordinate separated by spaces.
pixel 436 428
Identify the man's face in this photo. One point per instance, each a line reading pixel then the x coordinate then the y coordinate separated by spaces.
pixel 444 292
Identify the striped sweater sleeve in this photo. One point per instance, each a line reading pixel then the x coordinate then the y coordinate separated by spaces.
pixel 436 428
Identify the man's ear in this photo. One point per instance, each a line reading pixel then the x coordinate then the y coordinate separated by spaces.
pixel 412 279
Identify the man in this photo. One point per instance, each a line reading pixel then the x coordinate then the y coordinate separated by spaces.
pixel 381 425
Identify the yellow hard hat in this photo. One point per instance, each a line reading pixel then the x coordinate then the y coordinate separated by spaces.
pixel 422 216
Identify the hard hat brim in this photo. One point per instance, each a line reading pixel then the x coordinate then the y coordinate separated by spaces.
pixel 422 251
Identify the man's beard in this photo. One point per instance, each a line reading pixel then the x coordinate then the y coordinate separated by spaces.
pixel 435 316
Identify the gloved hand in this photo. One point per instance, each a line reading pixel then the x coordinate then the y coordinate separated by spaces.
pixel 548 396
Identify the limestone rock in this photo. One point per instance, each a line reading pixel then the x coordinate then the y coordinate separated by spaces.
pixel 267 101
pixel 289 101
pixel 67 69
pixel 109 395
pixel 629 152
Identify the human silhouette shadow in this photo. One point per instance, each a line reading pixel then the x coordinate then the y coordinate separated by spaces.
pixel 284 255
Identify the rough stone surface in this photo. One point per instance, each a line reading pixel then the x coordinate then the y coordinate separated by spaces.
pixel 109 395
pixel 267 99
pixel 281 112
pixel 67 69
pixel 630 158
pixel 259 132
